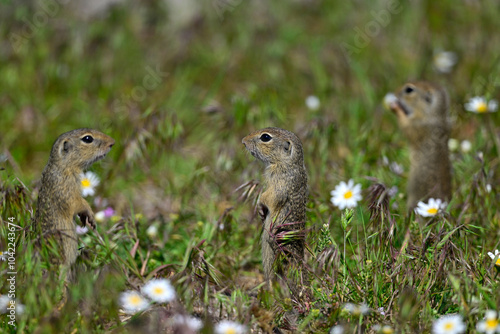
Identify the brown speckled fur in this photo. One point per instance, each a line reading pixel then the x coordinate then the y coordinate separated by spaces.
pixel 60 197
pixel 285 197
pixel 422 110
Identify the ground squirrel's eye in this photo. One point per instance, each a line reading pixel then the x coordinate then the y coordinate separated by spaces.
pixel 409 89
pixel 265 137
pixel 88 139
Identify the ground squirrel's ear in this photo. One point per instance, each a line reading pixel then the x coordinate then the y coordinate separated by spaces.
pixel 428 98
pixel 288 146
pixel 65 147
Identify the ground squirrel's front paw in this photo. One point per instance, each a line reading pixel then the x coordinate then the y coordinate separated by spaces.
pixel 87 218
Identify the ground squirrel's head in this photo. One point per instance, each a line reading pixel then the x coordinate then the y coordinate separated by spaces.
pixel 420 103
pixel 275 146
pixel 80 148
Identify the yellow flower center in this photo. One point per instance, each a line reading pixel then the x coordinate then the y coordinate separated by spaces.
pixel 432 211
pixel 135 300
pixel 387 330
pixel 491 323
pixel 158 290
pixel 348 194
pixel 498 262
pixel 85 183
pixel 449 326
pixel 482 107
pixel 230 331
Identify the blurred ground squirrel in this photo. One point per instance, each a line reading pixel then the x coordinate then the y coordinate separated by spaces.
pixel 60 197
pixel 422 111
pixel 282 206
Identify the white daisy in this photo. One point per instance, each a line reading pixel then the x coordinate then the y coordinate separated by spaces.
pixel 495 256
pixel 357 310
pixel 431 208
pixel 453 144
pixel 20 308
pixel 389 100
pixel 89 181
pixel 465 146
pixel 449 324
pixel 133 302
pixel 479 104
pixel 229 327
pixel 192 323
pixel 346 195
pixel 444 61
pixel 3 256
pixel 152 231
pixel 100 216
pixel 159 290
pixel 312 102
pixel 386 329
pixel 337 330
pixel 490 324
pixel 4 302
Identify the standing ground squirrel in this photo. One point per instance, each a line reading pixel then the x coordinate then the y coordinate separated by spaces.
pixel 422 110
pixel 282 206
pixel 60 197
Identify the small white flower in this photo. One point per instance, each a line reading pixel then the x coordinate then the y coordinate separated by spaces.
pixel 88 181
pixel 357 310
pixel 346 195
pixel 133 302
pixel 159 290
pixel 386 329
pixel 381 310
pixel 431 208
pixel 490 324
pixel 152 231
pixel 100 216
pixel 396 168
pixel 444 61
pixel 20 308
pixel 479 104
pixel 389 100
pixel 449 324
pixel 192 323
pixel 337 330
pixel 81 230
pixel 453 144
pixel 312 102
pixel 465 146
pixel 495 256
pixel 229 327
pixel 488 188
pixel 4 302
pixel 3 256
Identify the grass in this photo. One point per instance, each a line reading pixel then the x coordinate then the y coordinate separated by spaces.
pixel 179 163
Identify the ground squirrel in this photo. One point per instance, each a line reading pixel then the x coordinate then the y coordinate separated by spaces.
pixel 60 197
pixel 422 111
pixel 282 206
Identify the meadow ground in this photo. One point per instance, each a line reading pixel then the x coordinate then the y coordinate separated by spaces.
pixel 179 99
